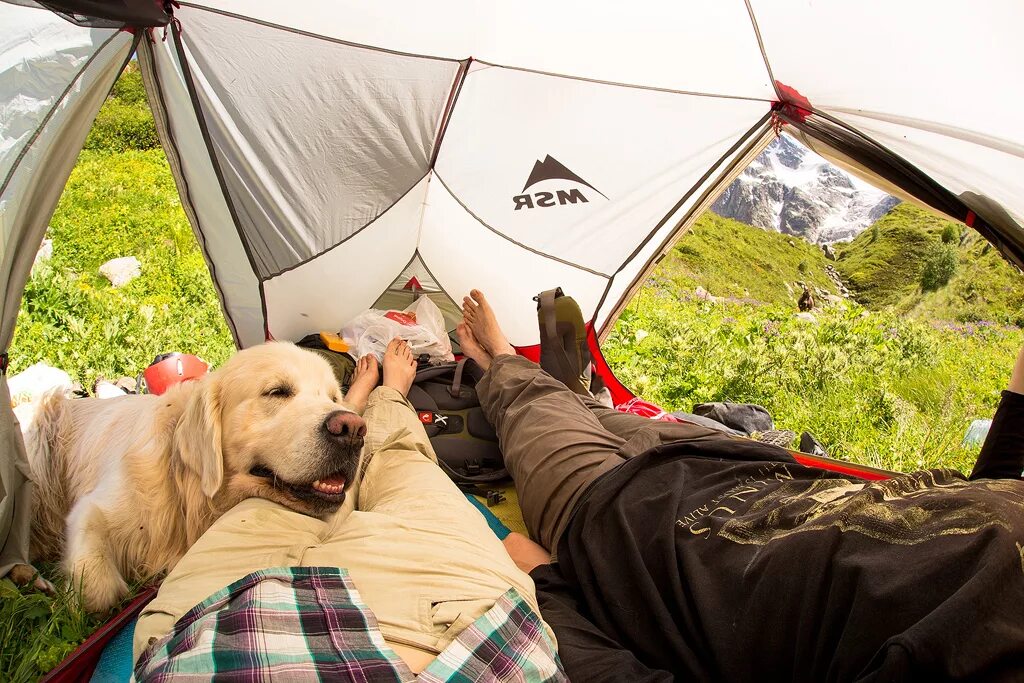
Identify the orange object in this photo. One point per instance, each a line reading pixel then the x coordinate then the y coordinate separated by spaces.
pixel 172 368
pixel 406 318
pixel 334 342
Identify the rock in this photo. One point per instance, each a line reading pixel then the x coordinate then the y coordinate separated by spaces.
pixel 128 384
pixel 791 243
pixel 829 254
pixel 121 271
pixel 807 317
pixel 44 254
pixel 104 389
pixel 35 380
pixel 704 295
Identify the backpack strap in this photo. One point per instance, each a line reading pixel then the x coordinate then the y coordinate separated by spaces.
pixel 566 371
pixel 456 388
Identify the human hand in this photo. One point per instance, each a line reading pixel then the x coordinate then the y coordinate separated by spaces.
pixel 525 553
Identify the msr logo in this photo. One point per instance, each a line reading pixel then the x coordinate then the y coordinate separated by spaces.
pixel 552 169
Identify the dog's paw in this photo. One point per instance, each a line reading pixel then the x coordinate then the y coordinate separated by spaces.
pixel 26 575
pixel 99 585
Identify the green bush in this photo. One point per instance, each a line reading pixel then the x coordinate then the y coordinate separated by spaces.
pixel 950 234
pixel 124 122
pixel 940 265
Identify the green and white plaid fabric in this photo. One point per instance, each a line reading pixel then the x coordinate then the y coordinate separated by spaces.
pixel 310 623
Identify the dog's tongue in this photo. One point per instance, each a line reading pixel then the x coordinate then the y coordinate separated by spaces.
pixel 332 484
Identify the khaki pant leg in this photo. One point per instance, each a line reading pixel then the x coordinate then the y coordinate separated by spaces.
pixel 554 446
pixel 253 535
pixel 422 556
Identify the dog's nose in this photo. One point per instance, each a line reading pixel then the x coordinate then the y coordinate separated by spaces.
pixel 342 423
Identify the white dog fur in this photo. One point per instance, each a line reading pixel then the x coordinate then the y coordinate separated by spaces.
pixel 125 486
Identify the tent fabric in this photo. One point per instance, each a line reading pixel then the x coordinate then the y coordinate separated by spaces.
pixel 341 137
pixel 54 76
pixel 330 152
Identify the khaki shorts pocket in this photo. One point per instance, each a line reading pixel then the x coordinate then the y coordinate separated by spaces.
pixel 449 618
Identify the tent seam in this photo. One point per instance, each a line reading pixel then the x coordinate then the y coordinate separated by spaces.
pixel 158 91
pixel 518 244
pixel 446 117
pixel 214 161
pixel 416 55
pixel 49 115
pixel 678 205
pixel 764 54
pixel 617 84
pixel 309 34
pixel 347 237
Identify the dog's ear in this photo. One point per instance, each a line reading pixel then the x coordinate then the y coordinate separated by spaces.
pixel 197 436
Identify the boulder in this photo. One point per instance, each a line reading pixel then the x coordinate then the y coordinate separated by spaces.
pixel 829 254
pixel 44 254
pixel 121 271
pixel 807 317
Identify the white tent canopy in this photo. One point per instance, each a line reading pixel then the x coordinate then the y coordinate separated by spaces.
pixel 332 153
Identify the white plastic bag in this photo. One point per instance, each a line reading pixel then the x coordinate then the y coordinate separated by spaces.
pixel 421 325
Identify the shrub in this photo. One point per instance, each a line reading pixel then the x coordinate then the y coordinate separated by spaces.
pixel 950 234
pixel 940 265
pixel 124 122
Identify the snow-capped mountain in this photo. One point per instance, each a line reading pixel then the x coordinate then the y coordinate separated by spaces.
pixel 790 189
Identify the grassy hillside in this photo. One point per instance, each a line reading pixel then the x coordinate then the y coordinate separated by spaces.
pixel 883 266
pixel 732 259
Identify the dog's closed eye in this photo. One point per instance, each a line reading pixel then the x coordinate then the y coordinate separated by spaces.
pixel 279 391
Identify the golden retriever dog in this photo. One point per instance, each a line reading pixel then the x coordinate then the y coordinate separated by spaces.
pixel 126 485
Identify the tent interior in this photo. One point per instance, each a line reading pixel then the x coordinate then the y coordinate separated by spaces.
pixel 331 158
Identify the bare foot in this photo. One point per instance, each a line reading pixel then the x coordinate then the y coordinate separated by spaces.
pixel 525 553
pixel 471 347
pixel 364 380
pixel 399 366
pixel 481 320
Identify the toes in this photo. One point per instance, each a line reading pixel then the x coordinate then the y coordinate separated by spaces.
pixel 479 298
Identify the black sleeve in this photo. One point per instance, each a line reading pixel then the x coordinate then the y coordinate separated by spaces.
pixel 586 652
pixel 1002 456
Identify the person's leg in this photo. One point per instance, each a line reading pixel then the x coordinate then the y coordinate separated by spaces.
pixel 555 442
pixel 424 559
pixel 553 445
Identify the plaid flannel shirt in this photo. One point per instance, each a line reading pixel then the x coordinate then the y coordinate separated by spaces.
pixel 310 623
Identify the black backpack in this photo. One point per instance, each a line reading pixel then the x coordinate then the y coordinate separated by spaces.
pixel 446 403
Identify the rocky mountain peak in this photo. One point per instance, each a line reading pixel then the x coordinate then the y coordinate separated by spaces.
pixel 788 188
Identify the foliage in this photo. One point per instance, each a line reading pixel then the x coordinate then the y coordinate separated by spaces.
pixel 940 264
pixel 731 259
pixel 38 631
pixel 882 271
pixel 950 234
pixel 119 205
pixel 874 388
pixel 124 122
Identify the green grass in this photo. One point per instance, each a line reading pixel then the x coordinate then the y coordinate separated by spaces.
pixel 732 259
pixel 883 268
pixel 119 204
pixel 874 388
pixel 883 264
pixel 38 631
